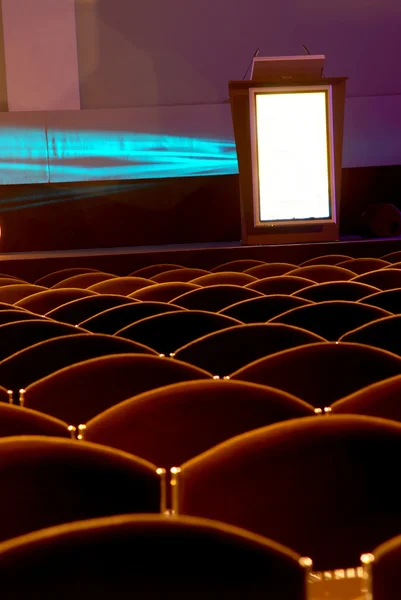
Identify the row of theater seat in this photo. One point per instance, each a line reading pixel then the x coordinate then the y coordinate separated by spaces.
pixel 243 403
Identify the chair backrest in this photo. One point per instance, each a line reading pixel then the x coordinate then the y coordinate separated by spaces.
pixel 323 486
pixel 121 285
pixel 388 300
pixel 383 569
pixel 43 302
pixel 52 278
pixel 239 266
pixel 270 269
pixel 320 273
pixel 9 316
pixel 50 481
pixel 224 278
pixel 171 425
pixel 364 265
pixel 118 557
pixel 335 290
pixel 184 274
pixel 83 280
pixel 150 270
pixel 384 333
pixel 114 319
pixel 331 319
pixel 225 351
pixel 326 259
pixel 21 334
pixel 322 373
pixel 77 393
pixel 14 292
pixel 280 284
pixel 163 292
pixel 381 399
pixel 168 331
pixel 262 309
pixel 15 420
pixel 384 279
pixel 76 311
pixel 4 280
pixel 39 360
pixel 214 298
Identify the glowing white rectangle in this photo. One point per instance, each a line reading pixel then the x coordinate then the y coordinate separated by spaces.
pixel 292 158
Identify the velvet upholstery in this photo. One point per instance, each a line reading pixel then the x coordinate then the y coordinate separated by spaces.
pixel 325 487
pixel 260 310
pixel 381 399
pixel 270 269
pixel 39 360
pixel 10 281
pixel 50 481
pixel 331 319
pixel 163 292
pixel 364 265
pixel 82 309
pixel 152 557
pixel 322 373
pixel 168 331
pixel 83 280
pixel 225 351
pixel 47 300
pixel 214 298
pixel 184 274
pixel 384 333
pixel 123 286
pixel 336 290
pixel 15 420
pixel 12 315
pixel 393 257
pixel 224 278
pixel 170 425
pixel 280 284
pixel 240 266
pixel 150 270
pixel 10 306
pixel 384 279
pixel 388 300
pixel 21 334
pixel 15 292
pixel 325 259
pixel 385 570
pixel 77 393
pixel 322 273
pixel 113 319
pixel 51 279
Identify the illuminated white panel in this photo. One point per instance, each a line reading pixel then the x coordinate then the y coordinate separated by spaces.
pixel 292 153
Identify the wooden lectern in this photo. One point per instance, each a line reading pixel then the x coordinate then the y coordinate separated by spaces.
pixel 289 137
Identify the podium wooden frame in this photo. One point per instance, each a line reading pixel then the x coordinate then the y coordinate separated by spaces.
pixel 278 233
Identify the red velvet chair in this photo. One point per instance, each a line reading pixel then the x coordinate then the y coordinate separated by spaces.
pixel 322 373
pixel 171 425
pixel 393 257
pixel 5 280
pixel 40 360
pixel 51 279
pixel 184 274
pixel 214 298
pixel 79 310
pixel 384 279
pixel 151 270
pixel 10 316
pixel 83 280
pixel 270 269
pixel 50 481
pixel 168 331
pixel 280 284
pixel 364 265
pixel 326 259
pixel 323 486
pixel 224 278
pixel 21 334
pixel 15 292
pixel 163 292
pixel 77 393
pixel 149 556
pixel 260 310
pixel 336 290
pixel 384 333
pixel 321 273
pixel 124 286
pixel 225 351
pixel 388 300
pixel 381 399
pixel 382 568
pixel 113 319
pixel 331 319
pixel 239 266
pixel 47 300
pixel 15 420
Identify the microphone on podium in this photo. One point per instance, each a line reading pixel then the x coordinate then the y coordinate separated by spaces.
pixel 250 64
